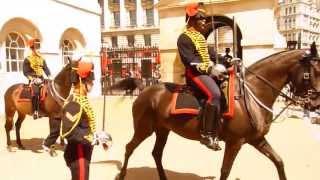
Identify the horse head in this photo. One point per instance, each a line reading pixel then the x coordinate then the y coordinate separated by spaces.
pixel 304 79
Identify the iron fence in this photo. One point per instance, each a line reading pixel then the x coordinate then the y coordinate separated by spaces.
pixel 137 62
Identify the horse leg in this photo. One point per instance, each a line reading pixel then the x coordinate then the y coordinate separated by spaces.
pixel 161 140
pixel 8 127
pixel 265 148
pixel 230 153
pixel 21 117
pixel 140 134
pixel 48 143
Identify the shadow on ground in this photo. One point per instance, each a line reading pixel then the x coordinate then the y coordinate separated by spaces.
pixel 34 145
pixel 152 174
pixel 117 163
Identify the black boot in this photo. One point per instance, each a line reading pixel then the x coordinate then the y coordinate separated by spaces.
pixel 209 127
pixel 35 107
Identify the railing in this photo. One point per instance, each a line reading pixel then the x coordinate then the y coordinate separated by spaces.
pixel 137 62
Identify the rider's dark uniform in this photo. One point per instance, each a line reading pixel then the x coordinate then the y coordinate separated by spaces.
pixel 34 66
pixel 78 127
pixel 195 56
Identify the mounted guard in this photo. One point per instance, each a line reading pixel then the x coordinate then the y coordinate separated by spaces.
pixel 34 66
pixel 200 67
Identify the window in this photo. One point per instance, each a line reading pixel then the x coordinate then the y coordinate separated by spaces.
pixel 286 11
pixel 114 41
pixel 116 18
pixel 130 39
pixel 67 50
pixel 285 22
pixel 116 1
pixel 15 48
pixel 289 23
pixel 150 17
pixel 294 9
pixel 147 39
pixel 133 18
pixel 290 10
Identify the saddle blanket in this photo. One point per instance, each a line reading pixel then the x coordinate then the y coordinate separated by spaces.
pixel 25 93
pixel 184 104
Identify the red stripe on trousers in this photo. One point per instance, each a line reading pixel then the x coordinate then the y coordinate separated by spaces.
pixel 201 85
pixel 82 172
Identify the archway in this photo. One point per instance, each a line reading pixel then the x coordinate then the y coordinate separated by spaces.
pixel 22 26
pixel 224 21
pixel 71 40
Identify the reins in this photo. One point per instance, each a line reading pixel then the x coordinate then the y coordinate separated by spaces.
pixel 245 85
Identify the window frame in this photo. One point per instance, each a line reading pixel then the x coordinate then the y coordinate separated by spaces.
pixel 147 39
pixel 114 41
pixel 148 18
pixel 65 50
pixel 116 19
pixel 18 50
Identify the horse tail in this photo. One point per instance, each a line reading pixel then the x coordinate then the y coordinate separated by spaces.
pixel 128 84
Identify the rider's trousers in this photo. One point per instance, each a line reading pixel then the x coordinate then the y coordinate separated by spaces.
pixel 77 157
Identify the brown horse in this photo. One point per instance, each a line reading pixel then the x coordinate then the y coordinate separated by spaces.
pixel 252 120
pixel 58 90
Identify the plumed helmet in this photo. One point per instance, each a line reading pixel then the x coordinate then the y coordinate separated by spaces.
pixel 84 69
pixel 34 43
pixel 195 10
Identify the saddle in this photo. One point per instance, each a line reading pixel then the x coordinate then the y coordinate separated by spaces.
pixel 25 92
pixel 186 102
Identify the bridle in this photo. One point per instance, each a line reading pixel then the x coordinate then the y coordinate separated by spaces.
pixel 296 98
pixel 309 91
pixel 55 94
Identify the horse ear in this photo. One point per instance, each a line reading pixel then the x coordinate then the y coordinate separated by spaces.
pixel 69 59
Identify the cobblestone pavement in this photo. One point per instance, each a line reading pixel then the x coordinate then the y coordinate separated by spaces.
pixel 296 141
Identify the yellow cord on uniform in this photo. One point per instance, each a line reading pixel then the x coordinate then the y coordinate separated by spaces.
pixel 36 63
pixel 88 110
pixel 201 46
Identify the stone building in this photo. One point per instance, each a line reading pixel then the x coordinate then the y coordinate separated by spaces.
pixel 130 23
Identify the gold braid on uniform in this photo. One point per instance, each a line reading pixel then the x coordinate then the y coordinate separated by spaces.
pixel 86 107
pixel 36 63
pixel 201 46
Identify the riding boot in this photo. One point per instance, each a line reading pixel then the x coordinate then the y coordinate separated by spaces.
pixel 35 107
pixel 209 127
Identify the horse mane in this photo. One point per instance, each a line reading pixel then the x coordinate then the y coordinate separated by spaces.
pixel 276 56
pixel 60 77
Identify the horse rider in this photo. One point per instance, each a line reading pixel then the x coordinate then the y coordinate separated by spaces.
pixel 195 56
pixel 78 122
pixel 34 66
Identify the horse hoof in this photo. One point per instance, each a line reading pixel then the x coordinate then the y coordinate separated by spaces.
pixel 21 147
pixel 120 176
pixel 10 149
pixel 53 153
